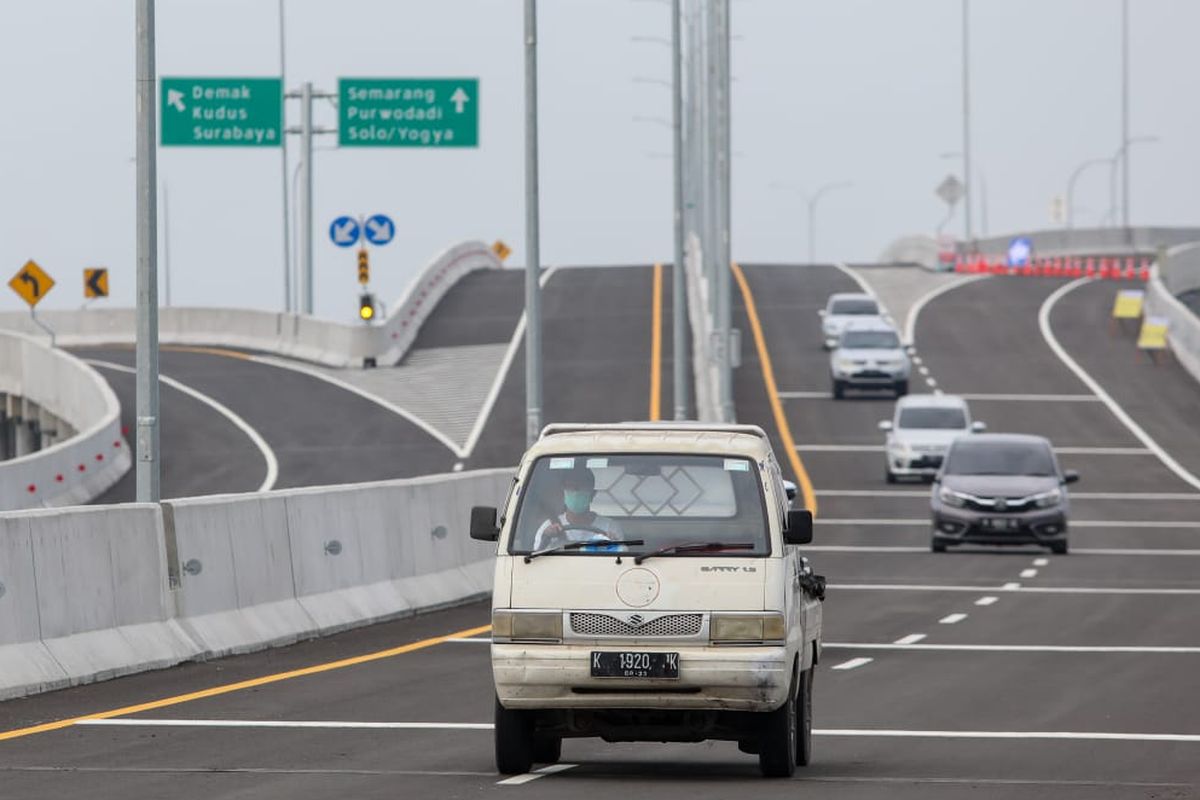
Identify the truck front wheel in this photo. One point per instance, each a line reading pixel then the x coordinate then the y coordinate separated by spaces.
pixel 514 740
pixel 778 743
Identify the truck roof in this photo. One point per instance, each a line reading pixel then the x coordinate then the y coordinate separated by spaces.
pixel 680 437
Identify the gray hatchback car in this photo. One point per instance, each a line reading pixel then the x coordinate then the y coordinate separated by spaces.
pixel 999 489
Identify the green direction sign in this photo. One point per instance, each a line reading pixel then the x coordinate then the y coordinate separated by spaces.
pixel 408 112
pixel 222 112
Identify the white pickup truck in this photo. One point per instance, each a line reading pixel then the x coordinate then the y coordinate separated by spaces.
pixel 649 587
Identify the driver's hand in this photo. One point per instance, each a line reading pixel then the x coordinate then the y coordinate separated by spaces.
pixel 554 531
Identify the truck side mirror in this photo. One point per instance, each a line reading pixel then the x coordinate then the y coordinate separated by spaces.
pixel 483 523
pixel 799 527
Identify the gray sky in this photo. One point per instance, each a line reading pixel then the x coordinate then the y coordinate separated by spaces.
pixel 826 90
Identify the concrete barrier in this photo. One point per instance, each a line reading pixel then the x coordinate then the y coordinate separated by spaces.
pixel 297 336
pixel 1177 272
pixel 923 250
pixel 90 593
pixel 81 467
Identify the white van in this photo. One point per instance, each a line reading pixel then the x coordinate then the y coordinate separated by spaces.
pixel 648 588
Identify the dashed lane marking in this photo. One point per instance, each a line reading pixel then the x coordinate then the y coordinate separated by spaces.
pixel 1011 586
pixel 986 601
pixel 781 421
pixel 1029 573
pixel 952 619
pixel 517 780
pixel 912 638
pixel 1017 648
pixel 1080 523
pixel 853 663
pixel 1161 552
pixel 1082 735
pixel 148 722
pixel 227 688
pixel 255 437
pixel 923 494
pixel 1015 588
pixel 1041 562
pixel 1031 398
pixel 879 448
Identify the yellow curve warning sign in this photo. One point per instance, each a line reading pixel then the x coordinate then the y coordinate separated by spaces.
pixel 31 283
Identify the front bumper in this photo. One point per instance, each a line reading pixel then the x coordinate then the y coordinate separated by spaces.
pixel 913 464
pixel 870 377
pixel 531 676
pixel 1039 526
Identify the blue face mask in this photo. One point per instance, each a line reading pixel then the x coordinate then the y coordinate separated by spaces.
pixel 577 501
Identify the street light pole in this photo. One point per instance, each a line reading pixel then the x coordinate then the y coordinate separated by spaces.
pixel 147 471
pixel 287 236
pixel 1125 115
pixel 533 309
pixel 812 215
pixel 678 307
pixel 1091 162
pixel 966 104
pixel 725 264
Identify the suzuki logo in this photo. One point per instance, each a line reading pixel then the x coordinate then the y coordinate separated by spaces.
pixel 637 620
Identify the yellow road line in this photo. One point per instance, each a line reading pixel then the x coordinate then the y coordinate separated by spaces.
pixel 785 431
pixel 247 684
pixel 212 351
pixel 656 347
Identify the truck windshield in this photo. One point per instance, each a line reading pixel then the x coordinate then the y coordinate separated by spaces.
pixel 663 500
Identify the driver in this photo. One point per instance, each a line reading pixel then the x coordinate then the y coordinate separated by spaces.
pixel 577 522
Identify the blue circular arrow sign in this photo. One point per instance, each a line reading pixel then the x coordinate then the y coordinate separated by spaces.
pixel 344 231
pixel 379 229
pixel 1020 250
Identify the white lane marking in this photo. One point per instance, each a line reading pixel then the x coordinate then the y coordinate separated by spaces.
pixel 458 466
pixel 853 663
pixel 1031 398
pixel 1082 735
pixel 1162 552
pixel 912 638
pixel 267 453
pixel 1075 523
pixel 472 640
pixel 1017 648
pixel 924 494
pixel 1066 451
pixel 149 722
pixel 1011 587
pixel 931 381
pixel 1098 390
pixel 1029 573
pixel 517 780
pixel 1041 562
pixel 272 361
pixel 863 286
pixel 489 402
pixel 986 601
pixel 910 322
pixel 916 359
pixel 952 619
pixel 924 370
pixel 803 395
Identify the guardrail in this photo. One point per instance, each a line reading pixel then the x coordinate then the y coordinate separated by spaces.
pixel 297 336
pixel 1177 272
pixel 91 593
pixel 79 468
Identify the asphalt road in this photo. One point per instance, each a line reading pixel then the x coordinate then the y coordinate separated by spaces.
pixel 984 672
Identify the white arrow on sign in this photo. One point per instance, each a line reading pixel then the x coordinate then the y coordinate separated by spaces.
pixel 344 233
pixel 381 230
pixel 459 98
pixel 175 98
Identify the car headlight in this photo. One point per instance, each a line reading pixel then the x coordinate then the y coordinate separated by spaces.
pixel 1048 499
pixel 845 364
pixel 899 448
pixel 952 498
pixel 526 626
pixel 830 329
pixel 743 628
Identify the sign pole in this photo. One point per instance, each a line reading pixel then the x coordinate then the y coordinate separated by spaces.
pixel 283 174
pixel 533 310
pixel 678 294
pixel 306 196
pixel 148 488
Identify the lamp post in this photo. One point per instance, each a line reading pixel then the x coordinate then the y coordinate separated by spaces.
pixel 1079 170
pixel 966 109
pixel 970 169
pixel 812 215
pixel 1120 157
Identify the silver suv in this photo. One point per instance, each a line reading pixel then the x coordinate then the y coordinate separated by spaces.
pixel 921 431
pixel 841 310
pixel 869 355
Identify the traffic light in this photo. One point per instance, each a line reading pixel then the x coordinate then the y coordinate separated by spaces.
pixel 364 267
pixel 366 306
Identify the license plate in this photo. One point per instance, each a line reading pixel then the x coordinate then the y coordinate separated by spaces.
pixel 635 665
pixel 1002 524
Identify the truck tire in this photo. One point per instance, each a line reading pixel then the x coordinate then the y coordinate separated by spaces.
pixel 804 719
pixel 547 749
pixel 777 739
pixel 514 740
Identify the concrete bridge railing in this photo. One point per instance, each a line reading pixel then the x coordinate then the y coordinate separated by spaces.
pixel 1175 273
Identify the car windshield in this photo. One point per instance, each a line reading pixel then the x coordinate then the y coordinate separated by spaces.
pixel 999 458
pixel 854 308
pixel 870 340
pixel 664 500
pixel 932 418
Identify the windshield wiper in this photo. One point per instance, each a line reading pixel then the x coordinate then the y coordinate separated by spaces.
pixel 694 547
pixel 579 545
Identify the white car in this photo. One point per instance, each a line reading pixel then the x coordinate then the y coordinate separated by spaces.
pixel 842 309
pixel 649 587
pixel 921 431
pixel 869 355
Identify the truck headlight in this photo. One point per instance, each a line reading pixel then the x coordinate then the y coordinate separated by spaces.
pixel 744 628
pixel 1048 499
pixel 526 626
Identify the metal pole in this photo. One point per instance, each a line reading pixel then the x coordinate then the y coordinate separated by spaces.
pixel 1071 187
pixel 966 103
pixel 533 308
pixel 166 245
pixel 812 229
pixel 678 307
pixel 724 269
pixel 148 487
pixel 283 174
pixel 306 198
pixel 1125 115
